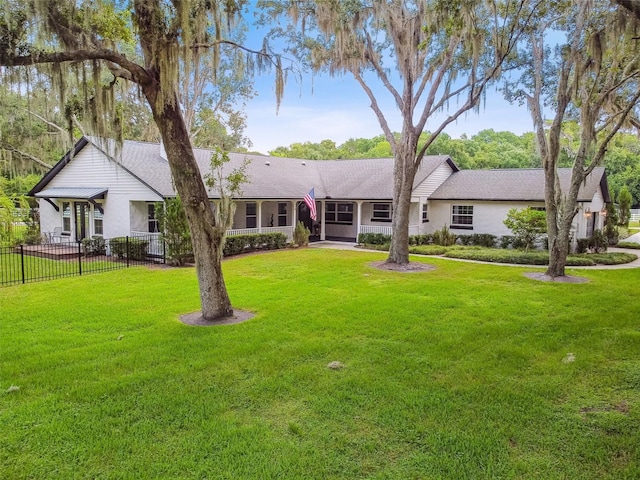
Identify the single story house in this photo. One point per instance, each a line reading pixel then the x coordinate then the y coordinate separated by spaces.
pixel 89 192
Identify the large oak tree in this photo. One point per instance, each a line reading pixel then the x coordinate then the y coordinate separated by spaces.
pixel 149 43
pixel 430 56
pixel 581 65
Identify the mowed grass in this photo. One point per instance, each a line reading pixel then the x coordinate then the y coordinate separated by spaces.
pixel 453 373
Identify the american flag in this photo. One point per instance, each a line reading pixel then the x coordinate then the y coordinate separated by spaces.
pixel 310 200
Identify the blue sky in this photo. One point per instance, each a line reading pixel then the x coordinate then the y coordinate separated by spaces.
pixel 336 108
pixel 320 107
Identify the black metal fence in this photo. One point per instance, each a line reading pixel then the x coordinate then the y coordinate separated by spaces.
pixel 31 263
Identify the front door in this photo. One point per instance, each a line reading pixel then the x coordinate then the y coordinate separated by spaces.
pixel 82 220
pixel 304 216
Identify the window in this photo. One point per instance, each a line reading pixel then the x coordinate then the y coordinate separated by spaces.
pixel 66 216
pixel 282 214
pixel 97 221
pixel 538 209
pixel 152 220
pixel 339 213
pixel 425 213
pixel 381 212
pixel 251 216
pixel 462 216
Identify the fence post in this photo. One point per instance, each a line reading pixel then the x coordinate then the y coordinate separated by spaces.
pixel 128 253
pixel 79 258
pixel 164 252
pixel 22 260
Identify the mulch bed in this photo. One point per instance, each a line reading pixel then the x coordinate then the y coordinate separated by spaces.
pixel 563 279
pixel 411 267
pixel 195 319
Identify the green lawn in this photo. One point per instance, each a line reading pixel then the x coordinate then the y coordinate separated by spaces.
pixel 453 373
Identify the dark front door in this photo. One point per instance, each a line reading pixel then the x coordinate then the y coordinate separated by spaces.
pixel 304 216
pixel 82 220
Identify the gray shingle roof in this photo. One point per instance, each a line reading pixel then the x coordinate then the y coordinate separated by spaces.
pixel 526 184
pixel 276 177
pixel 72 192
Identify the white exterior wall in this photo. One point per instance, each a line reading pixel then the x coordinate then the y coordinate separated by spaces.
pixel 488 217
pixel 90 168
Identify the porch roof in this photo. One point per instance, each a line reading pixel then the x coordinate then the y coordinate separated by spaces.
pixel 81 193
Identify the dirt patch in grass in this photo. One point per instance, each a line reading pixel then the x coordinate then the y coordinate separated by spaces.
pixel 196 319
pixel 563 279
pixel 411 267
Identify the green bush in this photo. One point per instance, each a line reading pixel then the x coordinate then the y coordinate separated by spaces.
pixel 426 239
pixel 527 225
pixel 628 245
pixel 444 237
pixel 94 246
pixel 374 239
pixel 506 241
pixel 371 246
pixel 520 257
pixel 136 250
pixel 616 258
pixel 301 235
pixel 478 240
pixel 237 244
pixel 429 250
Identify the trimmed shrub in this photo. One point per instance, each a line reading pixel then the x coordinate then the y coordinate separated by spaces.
pixel 478 240
pixel 237 244
pixel 444 237
pixel 616 258
pixel 628 245
pixel 137 249
pixel 421 239
pixel 506 241
pixel 301 235
pixel 94 246
pixel 428 250
pixel 374 239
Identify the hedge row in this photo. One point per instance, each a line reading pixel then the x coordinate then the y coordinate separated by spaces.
pixel 135 250
pixel 237 244
pixel 476 239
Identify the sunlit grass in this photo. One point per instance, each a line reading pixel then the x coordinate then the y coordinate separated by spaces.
pixel 453 373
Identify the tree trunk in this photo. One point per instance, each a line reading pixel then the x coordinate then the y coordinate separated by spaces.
pixel 558 249
pixel 206 238
pixel 404 172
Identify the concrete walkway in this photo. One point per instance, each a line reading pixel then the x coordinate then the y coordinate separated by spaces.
pixel 352 246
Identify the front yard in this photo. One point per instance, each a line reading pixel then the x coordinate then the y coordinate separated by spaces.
pixel 465 371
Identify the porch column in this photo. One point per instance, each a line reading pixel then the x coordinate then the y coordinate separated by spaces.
pixel 359 220
pixel 259 216
pixel 323 227
pixel 294 213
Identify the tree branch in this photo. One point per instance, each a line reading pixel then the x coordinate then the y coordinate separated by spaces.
pixel 138 73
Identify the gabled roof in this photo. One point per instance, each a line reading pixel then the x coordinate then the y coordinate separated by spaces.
pixel 269 177
pixel 525 184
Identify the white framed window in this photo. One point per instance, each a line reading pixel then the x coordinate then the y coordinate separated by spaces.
pixel 251 214
pixel 282 214
pixel 381 212
pixel 462 216
pixel 152 220
pixel 425 213
pixel 98 224
pixel 66 216
pixel 339 213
